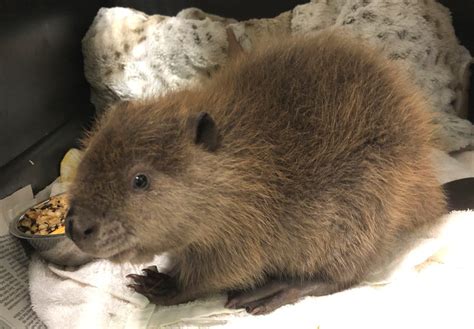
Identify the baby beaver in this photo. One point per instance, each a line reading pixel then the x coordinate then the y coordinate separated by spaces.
pixel 292 172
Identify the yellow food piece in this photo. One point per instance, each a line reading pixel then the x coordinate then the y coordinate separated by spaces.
pixel 69 164
pixel 60 230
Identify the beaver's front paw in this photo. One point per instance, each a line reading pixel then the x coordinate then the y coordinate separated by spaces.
pixel 158 287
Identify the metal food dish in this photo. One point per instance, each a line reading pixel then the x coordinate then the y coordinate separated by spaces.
pixel 55 248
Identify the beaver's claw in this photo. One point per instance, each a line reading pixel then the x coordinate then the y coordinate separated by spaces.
pixel 157 287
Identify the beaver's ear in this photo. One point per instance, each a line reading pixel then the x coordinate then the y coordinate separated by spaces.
pixel 203 130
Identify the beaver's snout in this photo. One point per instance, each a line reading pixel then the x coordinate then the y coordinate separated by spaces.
pixel 80 230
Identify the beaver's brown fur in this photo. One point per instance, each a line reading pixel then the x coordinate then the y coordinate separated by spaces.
pixel 312 160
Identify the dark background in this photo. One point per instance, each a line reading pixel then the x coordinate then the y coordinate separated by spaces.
pixel 44 98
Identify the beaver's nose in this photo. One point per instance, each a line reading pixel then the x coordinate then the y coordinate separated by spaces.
pixel 80 229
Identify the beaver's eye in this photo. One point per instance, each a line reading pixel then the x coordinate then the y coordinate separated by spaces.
pixel 140 182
